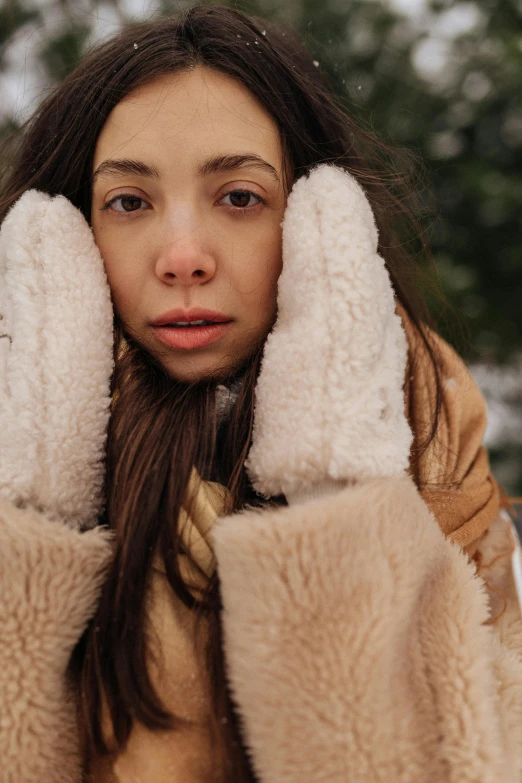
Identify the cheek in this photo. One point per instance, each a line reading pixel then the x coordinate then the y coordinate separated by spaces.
pixel 260 266
pixel 118 270
pixel 273 267
pixel 259 283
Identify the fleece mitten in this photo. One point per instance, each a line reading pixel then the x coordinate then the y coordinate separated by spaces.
pixel 329 399
pixel 56 343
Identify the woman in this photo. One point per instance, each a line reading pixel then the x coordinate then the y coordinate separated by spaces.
pixel 335 629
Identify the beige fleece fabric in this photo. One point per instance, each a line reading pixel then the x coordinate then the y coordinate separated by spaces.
pixel 357 646
pixel 356 636
pixel 50 580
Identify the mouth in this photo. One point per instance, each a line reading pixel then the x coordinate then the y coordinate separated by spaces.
pixel 190 324
pixel 190 335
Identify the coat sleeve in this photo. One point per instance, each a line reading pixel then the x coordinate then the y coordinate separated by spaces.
pixel 358 645
pixel 50 579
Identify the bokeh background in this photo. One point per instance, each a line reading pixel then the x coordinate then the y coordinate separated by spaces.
pixel 442 77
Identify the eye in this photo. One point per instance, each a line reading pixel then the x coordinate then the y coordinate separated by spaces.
pixel 125 203
pixel 240 200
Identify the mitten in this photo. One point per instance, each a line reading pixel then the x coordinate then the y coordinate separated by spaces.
pixel 56 340
pixel 329 399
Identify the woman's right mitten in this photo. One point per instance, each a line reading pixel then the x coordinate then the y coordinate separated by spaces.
pixel 56 360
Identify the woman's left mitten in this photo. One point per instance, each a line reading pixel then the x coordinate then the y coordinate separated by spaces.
pixel 56 360
pixel 329 399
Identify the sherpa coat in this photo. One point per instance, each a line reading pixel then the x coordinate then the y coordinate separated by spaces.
pixel 358 640
pixel 361 644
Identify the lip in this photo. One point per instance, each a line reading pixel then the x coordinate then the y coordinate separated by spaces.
pixel 195 314
pixel 188 338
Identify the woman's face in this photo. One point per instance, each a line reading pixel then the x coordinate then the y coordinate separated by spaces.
pixel 187 206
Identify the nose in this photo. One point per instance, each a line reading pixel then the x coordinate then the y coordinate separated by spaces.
pixel 184 260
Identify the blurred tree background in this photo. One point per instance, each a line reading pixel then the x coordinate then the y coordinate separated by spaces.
pixel 443 77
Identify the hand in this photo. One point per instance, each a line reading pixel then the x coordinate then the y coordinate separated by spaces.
pixel 329 400
pixel 56 343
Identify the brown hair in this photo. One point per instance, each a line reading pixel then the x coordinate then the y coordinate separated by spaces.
pixel 159 429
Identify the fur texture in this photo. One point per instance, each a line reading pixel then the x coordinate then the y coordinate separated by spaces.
pixel 355 632
pixel 50 579
pixel 329 400
pixel 355 640
pixel 55 360
pixel 356 645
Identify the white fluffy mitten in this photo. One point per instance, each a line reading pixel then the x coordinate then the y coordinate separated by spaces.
pixel 329 398
pixel 56 342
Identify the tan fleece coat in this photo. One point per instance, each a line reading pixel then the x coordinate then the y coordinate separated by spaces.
pixel 356 640
pixel 50 579
pixel 359 640
pixel 361 645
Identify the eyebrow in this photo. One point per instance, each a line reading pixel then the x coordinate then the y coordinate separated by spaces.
pixel 220 163
pixel 216 164
pixel 125 166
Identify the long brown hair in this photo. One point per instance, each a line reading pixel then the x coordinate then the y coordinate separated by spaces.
pixel 159 429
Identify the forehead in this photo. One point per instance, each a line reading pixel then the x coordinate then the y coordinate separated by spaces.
pixel 187 114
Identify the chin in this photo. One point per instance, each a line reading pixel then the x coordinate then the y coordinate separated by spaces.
pixel 192 366
pixel 194 370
